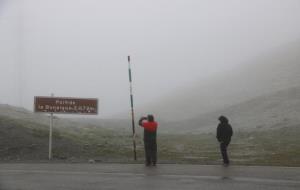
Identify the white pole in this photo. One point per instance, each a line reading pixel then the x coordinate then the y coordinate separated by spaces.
pixel 50 133
pixel 132 110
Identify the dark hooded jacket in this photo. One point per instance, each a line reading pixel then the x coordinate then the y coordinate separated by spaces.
pixel 224 131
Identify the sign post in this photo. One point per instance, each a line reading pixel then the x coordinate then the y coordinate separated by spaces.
pixel 50 136
pixel 64 105
pixel 50 133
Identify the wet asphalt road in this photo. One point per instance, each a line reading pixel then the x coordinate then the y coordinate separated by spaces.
pixel 53 176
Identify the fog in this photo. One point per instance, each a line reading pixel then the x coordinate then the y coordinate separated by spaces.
pixel 79 48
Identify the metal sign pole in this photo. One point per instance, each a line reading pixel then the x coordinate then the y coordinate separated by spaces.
pixel 50 134
pixel 132 110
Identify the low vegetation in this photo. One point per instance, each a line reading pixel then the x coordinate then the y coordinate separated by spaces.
pixel 22 140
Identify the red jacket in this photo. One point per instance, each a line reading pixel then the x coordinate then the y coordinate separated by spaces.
pixel 149 126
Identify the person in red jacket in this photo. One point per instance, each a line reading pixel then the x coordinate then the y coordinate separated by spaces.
pixel 150 128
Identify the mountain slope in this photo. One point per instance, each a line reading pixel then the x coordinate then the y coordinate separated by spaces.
pixel 275 110
pixel 26 140
pixel 25 136
pixel 271 72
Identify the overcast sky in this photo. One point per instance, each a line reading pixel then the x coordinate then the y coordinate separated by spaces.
pixel 79 48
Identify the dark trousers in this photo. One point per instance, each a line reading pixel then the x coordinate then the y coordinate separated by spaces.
pixel 150 152
pixel 223 149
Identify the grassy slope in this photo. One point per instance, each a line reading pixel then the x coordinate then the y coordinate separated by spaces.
pixel 27 140
pixel 24 140
pixel 275 110
pixel 274 147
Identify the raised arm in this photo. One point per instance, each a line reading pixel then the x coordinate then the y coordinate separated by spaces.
pixel 141 121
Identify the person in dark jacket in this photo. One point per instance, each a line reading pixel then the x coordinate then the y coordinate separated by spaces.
pixel 150 128
pixel 224 134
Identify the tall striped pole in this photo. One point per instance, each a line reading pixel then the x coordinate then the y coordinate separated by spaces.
pixel 132 110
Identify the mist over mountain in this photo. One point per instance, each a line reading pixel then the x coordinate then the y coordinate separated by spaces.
pixel 270 72
pixel 272 111
pixel 261 95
